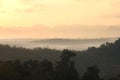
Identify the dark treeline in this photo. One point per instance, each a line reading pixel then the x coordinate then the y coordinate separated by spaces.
pixel 106 57
pixel 14 64
pixel 40 70
pixel 46 70
pixel 19 53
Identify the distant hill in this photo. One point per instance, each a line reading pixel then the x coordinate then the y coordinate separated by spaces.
pixel 57 43
pixel 77 44
pixel 73 41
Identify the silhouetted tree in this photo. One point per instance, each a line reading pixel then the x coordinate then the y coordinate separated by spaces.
pixel 66 55
pixel 65 70
pixel 91 74
pixel 46 65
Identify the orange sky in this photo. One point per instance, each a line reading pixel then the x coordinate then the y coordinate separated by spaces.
pixel 59 18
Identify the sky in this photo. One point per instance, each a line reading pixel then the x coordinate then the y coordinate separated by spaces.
pixel 59 18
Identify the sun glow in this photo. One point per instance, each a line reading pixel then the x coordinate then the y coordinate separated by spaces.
pixel 9 4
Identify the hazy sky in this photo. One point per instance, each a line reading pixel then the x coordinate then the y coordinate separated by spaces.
pixel 59 18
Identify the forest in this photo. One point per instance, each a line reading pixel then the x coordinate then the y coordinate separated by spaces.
pixel 18 63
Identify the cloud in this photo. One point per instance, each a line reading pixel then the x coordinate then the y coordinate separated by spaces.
pixel 111 16
pixel 115 16
pixel 112 31
pixel 63 31
pixel 115 29
pixel 27 1
pixel 60 12
pixel 33 6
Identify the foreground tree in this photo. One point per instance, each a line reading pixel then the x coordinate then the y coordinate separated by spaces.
pixel 91 74
pixel 65 69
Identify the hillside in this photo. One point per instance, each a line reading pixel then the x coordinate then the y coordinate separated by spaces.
pixel 106 57
pixel 23 54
